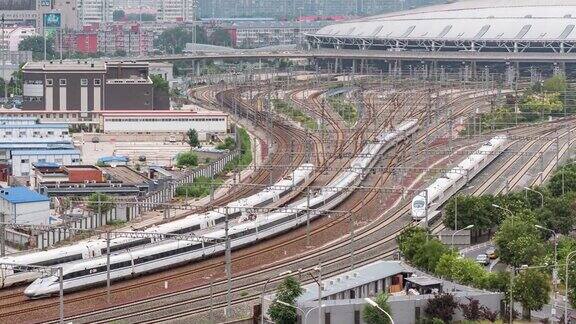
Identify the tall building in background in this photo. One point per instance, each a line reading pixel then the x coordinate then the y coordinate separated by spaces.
pixel 175 10
pixel 95 11
pixel 294 8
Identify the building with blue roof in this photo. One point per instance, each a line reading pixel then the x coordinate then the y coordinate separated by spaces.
pixel 114 160
pixel 24 206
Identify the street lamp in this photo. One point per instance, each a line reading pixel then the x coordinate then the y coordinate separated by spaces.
pixel 373 303
pixel 281 274
pixel 505 209
pixel 305 319
pixel 538 192
pixel 570 255
pixel 555 273
pixel 458 231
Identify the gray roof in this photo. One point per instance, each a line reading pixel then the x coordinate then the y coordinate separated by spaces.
pixel 357 277
pixel 424 281
pixel 486 20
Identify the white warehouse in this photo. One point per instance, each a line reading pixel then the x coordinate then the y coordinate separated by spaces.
pixel 23 206
pixel 174 122
pixel 34 131
pixel 22 160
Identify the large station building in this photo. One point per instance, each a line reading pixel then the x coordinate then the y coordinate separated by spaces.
pixel 520 36
pixel 490 25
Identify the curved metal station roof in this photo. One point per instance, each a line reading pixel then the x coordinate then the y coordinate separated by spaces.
pixel 490 20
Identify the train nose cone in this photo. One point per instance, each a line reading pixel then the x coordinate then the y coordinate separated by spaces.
pixel 30 291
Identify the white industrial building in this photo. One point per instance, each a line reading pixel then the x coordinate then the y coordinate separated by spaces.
pixel 22 160
pixel 23 206
pixel 173 122
pixel 54 131
pixel 5 120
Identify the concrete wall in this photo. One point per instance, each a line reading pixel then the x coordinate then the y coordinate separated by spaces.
pixel 32 213
pixel 405 309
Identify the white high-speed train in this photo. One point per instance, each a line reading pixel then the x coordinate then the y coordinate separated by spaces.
pixel 80 274
pixel 95 248
pixel 444 187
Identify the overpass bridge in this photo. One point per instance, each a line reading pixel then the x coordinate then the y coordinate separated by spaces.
pixel 347 54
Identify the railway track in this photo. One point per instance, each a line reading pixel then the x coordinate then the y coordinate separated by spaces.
pixel 358 206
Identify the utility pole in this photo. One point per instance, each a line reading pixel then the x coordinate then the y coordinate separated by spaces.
pixel 5 55
pixel 228 267
pixel 108 267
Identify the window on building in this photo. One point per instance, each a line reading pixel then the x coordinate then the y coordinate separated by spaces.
pixel 84 82
pixel 24 161
pixel 22 134
pixel 327 318
pixel 50 132
pixel 62 82
pixel 8 133
pixel 97 82
pixel 42 160
pixel 49 82
pixel 356 317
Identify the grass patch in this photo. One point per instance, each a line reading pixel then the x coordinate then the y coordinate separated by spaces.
pixel 294 114
pixel 345 109
pixel 199 188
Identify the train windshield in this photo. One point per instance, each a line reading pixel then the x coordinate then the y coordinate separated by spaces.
pixel 418 204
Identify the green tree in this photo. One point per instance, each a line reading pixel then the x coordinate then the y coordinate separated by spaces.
pixel 193 140
pixel 462 270
pixel 118 15
pixel 531 288
pixel 288 291
pixel 372 315
pixel 477 211
pixel 120 53
pixel 519 241
pixel 229 144
pixel 410 241
pixel 556 83
pixel 221 37
pixel 160 85
pixel 429 254
pixel 99 202
pixel 36 45
pixel 558 214
pixel 565 178
pixel 442 306
pixel 174 40
pixel 187 159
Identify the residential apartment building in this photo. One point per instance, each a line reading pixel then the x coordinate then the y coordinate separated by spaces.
pixel 95 11
pixel 86 86
pixel 175 10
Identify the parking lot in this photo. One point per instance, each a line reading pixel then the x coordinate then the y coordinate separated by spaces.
pixel 159 152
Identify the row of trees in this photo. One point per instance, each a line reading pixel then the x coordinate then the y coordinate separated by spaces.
pixel 174 40
pixel 531 287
